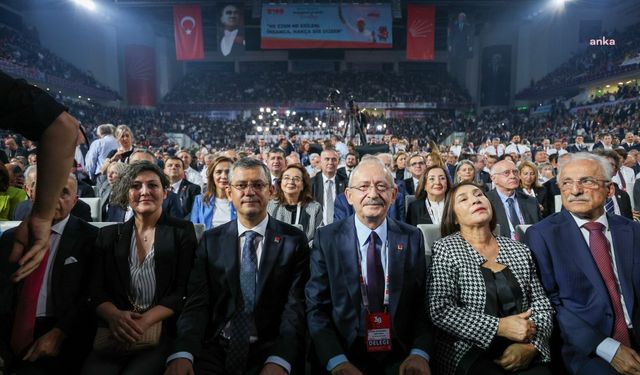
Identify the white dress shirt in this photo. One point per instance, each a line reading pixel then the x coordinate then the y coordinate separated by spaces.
pixel 608 347
pixel 226 43
pixel 45 304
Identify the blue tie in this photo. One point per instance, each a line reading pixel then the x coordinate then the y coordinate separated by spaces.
pixel 241 323
pixel 609 207
pixel 513 215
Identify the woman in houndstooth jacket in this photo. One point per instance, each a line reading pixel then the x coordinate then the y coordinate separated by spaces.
pixel 491 313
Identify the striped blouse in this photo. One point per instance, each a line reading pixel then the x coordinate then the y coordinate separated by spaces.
pixel 143 278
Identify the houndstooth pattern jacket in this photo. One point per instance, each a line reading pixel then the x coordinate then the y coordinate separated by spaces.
pixel 457 297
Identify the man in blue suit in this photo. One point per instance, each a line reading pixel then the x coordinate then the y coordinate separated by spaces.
pixel 368 277
pixel 589 262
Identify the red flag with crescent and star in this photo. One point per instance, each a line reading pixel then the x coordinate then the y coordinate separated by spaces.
pixel 187 24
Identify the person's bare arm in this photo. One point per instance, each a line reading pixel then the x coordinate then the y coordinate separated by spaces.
pixel 55 155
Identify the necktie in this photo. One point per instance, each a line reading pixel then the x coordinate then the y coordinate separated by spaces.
pixel 599 247
pixel 513 215
pixel 25 319
pixel 375 275
pixel 329 191
pixel 609 206
pixel 622 181
pixel 517 149
pixel 241 323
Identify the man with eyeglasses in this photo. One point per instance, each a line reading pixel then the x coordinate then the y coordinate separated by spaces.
pixel 246 289
pixel 328 184
pixel 512 206
pixel 368 279
pixel 417 167
pixel 588 265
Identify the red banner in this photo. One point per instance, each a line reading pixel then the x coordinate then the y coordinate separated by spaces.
pixel 421 26
pixel 140 70
pixel 187 24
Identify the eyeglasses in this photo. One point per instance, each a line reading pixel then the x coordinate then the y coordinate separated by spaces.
pixel 294 179
pixel 508 172
pixel 255 186
pixel 380 188
pixel 584 182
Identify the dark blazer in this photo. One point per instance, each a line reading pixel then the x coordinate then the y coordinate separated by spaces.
pixel 409 187
pixel 80 210
pixel 214 290
pixel 85 190
pixel 69 282
pixel 551 186
pixel 636 195
pixel 343 172
pixel 174 247
pixel 483 178
pixel 317 184
pixel 187 195
pixel 171 206
pixel 574 285
pixel 624 202
pixel 417 213
pixel 528 207
pixel 333 292
pixel 342 209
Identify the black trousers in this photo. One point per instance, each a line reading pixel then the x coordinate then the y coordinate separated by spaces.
pixel 387 363
pixel 211 360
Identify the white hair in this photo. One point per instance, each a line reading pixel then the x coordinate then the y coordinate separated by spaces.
pixel 606 168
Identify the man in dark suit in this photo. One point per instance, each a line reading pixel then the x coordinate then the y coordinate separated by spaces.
pixel 578 146
pixel 482 178
pixel 322 184
pixel 245 308
pixel 512 206
pixel 80 210
pixel 47 326
pixel 337 310
pixel 417 166
pixel 351 161
pixel 187 191
pixel 587 261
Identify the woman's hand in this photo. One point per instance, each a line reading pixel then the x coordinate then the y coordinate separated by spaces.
pixel 517 357
pixel 518 327
pixel 125 327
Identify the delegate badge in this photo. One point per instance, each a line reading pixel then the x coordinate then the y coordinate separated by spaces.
pixel 378 338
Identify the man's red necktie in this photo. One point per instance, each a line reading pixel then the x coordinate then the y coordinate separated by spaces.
pixel 600 251
pixel 25 314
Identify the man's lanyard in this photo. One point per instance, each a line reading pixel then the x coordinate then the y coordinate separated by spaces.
pixel 363 283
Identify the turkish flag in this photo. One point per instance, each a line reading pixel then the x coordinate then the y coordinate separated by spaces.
pixel 187 24
pixel 421 27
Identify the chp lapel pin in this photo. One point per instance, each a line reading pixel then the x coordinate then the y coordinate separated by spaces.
pixel 276 239
pixel 400 247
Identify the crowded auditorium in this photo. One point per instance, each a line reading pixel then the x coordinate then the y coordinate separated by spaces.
pixel 407 187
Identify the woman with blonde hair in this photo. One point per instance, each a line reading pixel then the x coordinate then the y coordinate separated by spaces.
pixel 213 208
pixel 125 139
pixel 530 184
pixel 465 171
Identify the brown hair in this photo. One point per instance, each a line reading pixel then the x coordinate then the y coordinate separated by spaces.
pixel 211 185
pixel 421 193
pixel 306 195
pixel 449 222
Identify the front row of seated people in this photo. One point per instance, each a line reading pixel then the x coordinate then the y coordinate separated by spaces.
pixel 251 296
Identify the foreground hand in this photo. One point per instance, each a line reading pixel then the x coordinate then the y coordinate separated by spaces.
pixel 124 327
pixel 179 366
pixel 517 357
pixel 517 328
pixel 273 369
pixel 626 361
pixel 32 237
pixel 47 345
pixel 415 365
pixel 346 369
